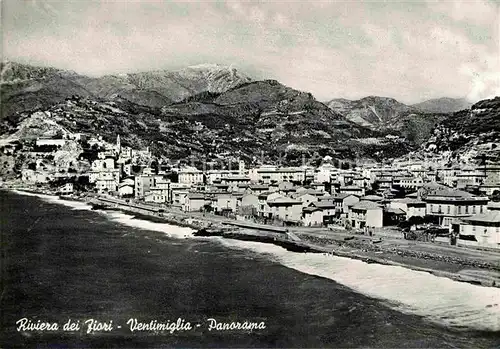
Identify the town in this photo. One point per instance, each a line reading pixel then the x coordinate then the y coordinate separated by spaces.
pixel 409 196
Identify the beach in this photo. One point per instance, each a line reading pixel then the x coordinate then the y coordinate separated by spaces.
pixel 67 260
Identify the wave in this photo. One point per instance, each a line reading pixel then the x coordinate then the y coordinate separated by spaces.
pixel 438 299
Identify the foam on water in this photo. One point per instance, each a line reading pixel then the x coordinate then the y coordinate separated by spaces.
pixel 168 229
pixel 76 205
pixel 119 217
pixel 438 299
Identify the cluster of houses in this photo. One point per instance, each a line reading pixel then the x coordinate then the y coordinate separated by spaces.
pixel 364 197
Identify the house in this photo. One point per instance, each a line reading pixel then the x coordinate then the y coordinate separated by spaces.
pixel 470 177
pixel 344 201
pixel 225 203
pixel 305 198
pixel 366 214
pixel 264 210
pixel 373 198
pixel 493 206
pixel 285 209
pixel 50 142
pixel 411 207
pixel 448 205
pixel 358 181
pixel 125 190
pixel 312 216
pixel 320 187
pixel 190 175
pixel 481 230
pixel 217 175
pixel 143 183
pixel 408 182
pixel 106 186
pixel 66 188
pixel 258 188
pixel 351 189
pixel 126 187
pixel 195 202
pixel 328 210
pixel 234 181
pixel 250 200
pixel 268 174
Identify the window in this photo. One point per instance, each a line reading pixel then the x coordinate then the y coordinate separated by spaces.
pixel 473 228
pixel 466 209
pixel 459 209
pixel 449 208
pixel 473 209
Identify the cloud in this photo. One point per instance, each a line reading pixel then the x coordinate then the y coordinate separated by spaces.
pixel 410 51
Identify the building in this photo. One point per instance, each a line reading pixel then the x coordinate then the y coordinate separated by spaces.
pixel 366 214
pixel 481 230
pixel 411 207
pixel 50 142
pixel 250 200
pixel 351 189
pixel 225 203
pixel 469 177
pixel 216 175
pixel 195 202
pixel 286 209
pixel 190 175
pixel 264 210
pixel 319 213
pixel 106 186
pixel 305 198
pixel 343 202
pixel 276 175
pixel 312 216
pixel 143 183
pixel 448 205
pixel 126 189
pixel 66 188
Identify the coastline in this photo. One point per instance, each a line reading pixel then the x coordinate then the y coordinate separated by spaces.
pixel 462 270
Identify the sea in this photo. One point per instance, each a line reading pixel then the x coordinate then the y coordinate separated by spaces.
pixel 64 263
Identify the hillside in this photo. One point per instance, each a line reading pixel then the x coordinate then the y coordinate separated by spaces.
pixel 388 115
pixel 373 112
pixel 253 119
pixel 443 105
pixel 25 87
pixel 470 135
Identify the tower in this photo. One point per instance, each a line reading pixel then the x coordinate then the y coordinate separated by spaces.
pixel 118 144
pixel 241 168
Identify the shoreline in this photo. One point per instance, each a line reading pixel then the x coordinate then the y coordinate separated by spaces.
pixel 365 252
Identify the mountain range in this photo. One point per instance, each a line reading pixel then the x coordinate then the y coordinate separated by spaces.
pixel 211 111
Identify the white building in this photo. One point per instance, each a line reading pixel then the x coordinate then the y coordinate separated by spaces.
pixel 484 227
pixel 190 175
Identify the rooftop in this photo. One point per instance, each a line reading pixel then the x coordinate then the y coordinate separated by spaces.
pixel 366 205
pixel 283 200
pixel 490 217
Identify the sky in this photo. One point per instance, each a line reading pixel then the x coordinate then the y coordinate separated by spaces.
pixel 411 51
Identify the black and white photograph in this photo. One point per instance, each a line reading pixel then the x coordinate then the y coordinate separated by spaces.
pixel 250 174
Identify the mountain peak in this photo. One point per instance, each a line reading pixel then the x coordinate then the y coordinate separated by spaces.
pixel 443 105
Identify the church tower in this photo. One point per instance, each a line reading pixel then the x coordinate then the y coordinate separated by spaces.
pixel 118 145
pixel 241 168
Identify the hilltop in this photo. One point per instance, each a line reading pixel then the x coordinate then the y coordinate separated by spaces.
pixel 26 87
pixel 443 105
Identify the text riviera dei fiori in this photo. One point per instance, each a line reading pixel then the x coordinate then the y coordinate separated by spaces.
pixel 134 325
